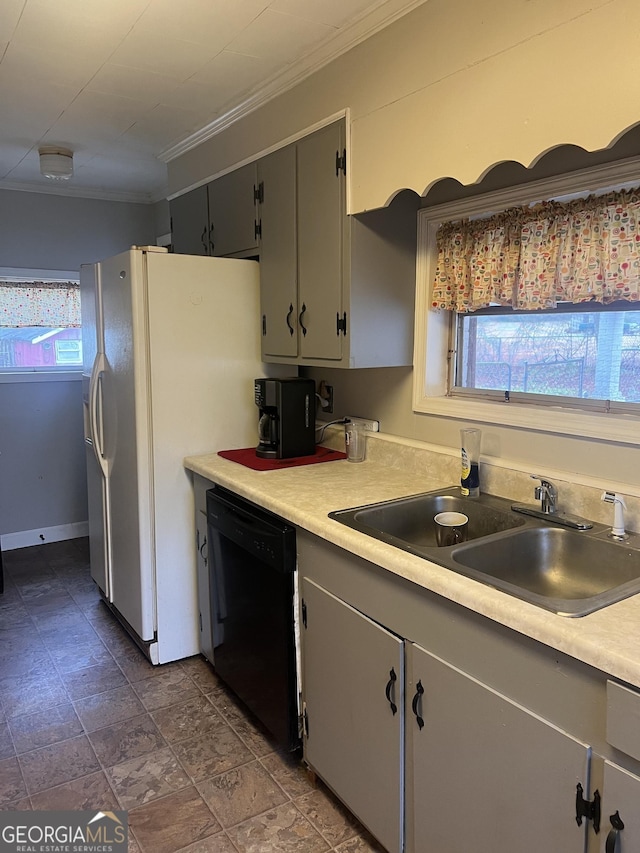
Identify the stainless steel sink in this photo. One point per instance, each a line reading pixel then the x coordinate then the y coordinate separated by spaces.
pixel 408 522
pixel 571 573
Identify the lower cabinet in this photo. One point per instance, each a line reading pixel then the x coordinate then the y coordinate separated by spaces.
pixel 485 774
pixel 620 821
pixel 353 716
pixel 466 737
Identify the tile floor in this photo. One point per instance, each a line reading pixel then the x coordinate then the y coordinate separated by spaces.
pixel 86 722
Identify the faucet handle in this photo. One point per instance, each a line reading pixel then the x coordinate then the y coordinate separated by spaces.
pixel 545 492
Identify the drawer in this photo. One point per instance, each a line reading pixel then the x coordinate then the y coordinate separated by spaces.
pixel 623 719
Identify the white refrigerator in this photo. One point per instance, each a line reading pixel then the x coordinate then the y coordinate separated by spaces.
pixel 171 348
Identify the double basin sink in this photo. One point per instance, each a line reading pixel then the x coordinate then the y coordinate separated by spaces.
pixel 569 572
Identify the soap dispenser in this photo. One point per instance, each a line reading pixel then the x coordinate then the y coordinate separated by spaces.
pixel 470 462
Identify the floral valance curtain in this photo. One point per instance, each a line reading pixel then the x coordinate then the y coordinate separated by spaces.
pixel 50 304
pixel 528 258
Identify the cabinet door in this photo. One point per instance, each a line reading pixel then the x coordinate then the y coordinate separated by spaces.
pixel 189 223
pixel 278 259
pixel 485 774
pixel 321 233
pixel 232 212
pixel 353 740
pixel 621 794
pixel 200 486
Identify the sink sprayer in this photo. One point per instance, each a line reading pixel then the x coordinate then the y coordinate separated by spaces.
pixel 619 506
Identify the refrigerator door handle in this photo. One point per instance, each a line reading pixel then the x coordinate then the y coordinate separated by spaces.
pixel 95 426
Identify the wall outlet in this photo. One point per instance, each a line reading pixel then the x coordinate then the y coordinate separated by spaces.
pixel 366 424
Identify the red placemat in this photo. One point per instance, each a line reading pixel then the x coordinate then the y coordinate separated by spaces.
pixel 247 457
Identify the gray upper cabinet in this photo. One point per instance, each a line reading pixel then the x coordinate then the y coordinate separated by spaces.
pixel 190 222
pixel 219 218
pixel 232 213
pixel 352 302
pixel 278 264
pixel 322 226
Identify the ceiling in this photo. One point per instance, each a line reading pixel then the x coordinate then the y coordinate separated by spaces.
pixel 126 83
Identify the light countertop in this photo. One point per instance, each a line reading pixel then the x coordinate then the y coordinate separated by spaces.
pixel 608 639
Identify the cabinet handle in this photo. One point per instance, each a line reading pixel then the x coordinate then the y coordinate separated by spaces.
pixel 212 245
pixel 617 826
pixel 302 325
pixel 203 552
pixel 414 704
pixel 290 312
pixel 389 688
pixel 203 240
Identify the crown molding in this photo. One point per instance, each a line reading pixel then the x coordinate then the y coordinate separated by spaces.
pixel 380 18
pixel 129 197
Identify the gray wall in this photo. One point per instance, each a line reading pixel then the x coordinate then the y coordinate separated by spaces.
pixel 42 463
pixel 53 232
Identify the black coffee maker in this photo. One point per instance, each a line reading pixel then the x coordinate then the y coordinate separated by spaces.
pixel 287 425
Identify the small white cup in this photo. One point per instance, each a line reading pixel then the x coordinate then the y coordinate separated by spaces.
pixel 451 528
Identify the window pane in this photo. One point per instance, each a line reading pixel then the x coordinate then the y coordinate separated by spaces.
pixel 593 355
pixel 38 348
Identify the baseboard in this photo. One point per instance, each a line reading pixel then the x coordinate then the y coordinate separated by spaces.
pixel 43 535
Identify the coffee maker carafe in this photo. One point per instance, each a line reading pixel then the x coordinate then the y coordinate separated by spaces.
pixel 286 425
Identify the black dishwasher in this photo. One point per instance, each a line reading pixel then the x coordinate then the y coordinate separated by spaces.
pixel 252 560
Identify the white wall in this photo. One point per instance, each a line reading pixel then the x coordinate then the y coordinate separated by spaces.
pixel 453 88
pixel 42 457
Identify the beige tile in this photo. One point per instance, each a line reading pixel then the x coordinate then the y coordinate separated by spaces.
pixel 241 793
pixel 108 708
pixel 289 772
pixel 188 719
pixel 32 731
pixel 360 844
pixel 89 792
pixel 140 780
pixel 281 830
pixel 125 740
pixel 7 749
pixel 34 693
pixel 136 666
pixel 209 754
pixel 93 680
pixel 163 826
pixel 202 673
pixel 218 843
pixel 61 762
pixel 328 816
pixel 246 726
pixel 166 688
pixel 12 785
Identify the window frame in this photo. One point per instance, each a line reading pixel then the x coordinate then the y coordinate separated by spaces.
pixel 434 339
pixel 39 374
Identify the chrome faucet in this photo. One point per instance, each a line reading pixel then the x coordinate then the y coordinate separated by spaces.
pixel 547 494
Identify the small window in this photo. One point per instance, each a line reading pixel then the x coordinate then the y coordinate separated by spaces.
pixel 564 355
pixel 39 325
pixel 569 352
